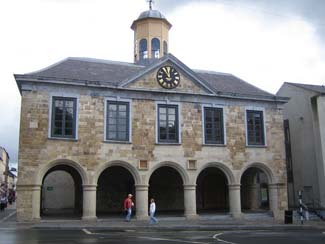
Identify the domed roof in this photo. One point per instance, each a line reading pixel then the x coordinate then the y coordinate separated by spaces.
pixel 151 14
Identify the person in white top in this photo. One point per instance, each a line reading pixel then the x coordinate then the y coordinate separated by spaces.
pixel 152 211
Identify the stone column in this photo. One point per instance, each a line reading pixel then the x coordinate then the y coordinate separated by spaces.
pixel 36 202
pixel 273 199
pixel 254 191
pixel 234 200
pixel 141 204
pixel 190 201
pixel 89 203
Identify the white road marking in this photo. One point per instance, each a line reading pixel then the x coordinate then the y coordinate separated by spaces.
pixel 174 240
pixel 7 217
pixel 87 231
pixel 219 240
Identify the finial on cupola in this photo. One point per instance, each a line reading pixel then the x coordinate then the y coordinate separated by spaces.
pixel 150 4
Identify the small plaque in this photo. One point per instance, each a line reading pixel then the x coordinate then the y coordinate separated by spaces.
pixel 143 164
pixel 191 164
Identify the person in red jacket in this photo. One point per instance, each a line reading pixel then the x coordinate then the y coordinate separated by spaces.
pixel 128 204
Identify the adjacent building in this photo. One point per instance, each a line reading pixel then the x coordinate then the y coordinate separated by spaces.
pixel 304 116
pixel 4 165
pixel 197 141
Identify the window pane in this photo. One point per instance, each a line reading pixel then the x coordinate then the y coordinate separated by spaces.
pixel 171 111
pixel 112 107
pixel 162 110
pixel 68 132
pixel 112 135
pixel 122 114
pixel 163 117
pixel 111 121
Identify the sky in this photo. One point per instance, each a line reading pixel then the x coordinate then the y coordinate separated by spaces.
pixel 264 42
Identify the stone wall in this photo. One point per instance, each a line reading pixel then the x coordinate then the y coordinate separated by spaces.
pixel 92 154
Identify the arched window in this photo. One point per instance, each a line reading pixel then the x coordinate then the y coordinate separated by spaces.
pixel 165 48
pixel 155 48
pixel 143 49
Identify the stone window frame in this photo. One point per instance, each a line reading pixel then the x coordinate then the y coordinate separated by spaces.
pixel 257 109
pixel 179 108
pixel 122 100
pixel 224 124
pixel 63 95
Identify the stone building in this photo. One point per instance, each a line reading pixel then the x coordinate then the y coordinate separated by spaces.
pixel 197 141
pixel 305 135
pixel 4 165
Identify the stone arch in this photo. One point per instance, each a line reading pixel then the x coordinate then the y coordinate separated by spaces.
pixel 45 168
pixel 123 164
pixel 173 165
pixel 263 167
pixel 225 169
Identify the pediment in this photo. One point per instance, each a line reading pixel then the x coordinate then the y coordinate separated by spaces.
pixel 186 80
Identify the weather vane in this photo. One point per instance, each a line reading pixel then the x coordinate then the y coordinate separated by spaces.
pixel 150 4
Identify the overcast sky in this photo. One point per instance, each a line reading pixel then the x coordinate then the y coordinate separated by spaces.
pixel 265 42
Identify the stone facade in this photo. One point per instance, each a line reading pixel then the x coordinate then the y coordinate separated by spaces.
pixel 89 154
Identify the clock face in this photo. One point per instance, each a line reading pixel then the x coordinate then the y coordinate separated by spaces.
pixel 168 77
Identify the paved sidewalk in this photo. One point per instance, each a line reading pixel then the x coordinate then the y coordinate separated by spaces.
pixel 8 213
pixel 221 222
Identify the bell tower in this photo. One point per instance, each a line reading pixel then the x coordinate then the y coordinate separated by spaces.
pixel 150 36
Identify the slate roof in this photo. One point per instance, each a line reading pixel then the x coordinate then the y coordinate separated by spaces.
pixel 314 88
pixel 86 69
pixel 111 73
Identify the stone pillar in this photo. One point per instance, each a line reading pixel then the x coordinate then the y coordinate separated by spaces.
pixel 190 201
pixel 234 200
pixel 273 199
pixel 254 191
pixel 141 204
pixel 36 202
pixel 89 203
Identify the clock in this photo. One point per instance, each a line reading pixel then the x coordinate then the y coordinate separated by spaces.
pixel 168 77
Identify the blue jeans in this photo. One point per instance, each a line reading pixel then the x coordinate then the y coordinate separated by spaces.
pixel 152 218
pixel 128 216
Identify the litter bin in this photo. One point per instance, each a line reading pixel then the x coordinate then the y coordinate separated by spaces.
pixel 288 216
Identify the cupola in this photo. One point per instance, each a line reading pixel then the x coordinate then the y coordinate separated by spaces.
pixel 150 36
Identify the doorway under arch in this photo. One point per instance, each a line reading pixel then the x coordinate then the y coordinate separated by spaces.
pixel 61 195
pixel 166 187
pixel 254 191
pixel 212 195
pixel 113 186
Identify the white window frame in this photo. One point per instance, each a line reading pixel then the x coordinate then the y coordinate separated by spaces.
pixel 179 107
pixel 224 123
pixel 257 109
pixel 63 95
pixel 118 99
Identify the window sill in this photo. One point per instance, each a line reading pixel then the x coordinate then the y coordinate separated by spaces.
pixel 62 139
pixel 214 145
pixel 256 146
pixel 117 142
pixel 168 143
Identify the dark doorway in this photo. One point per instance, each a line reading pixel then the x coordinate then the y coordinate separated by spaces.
pixel 254 191
pixel 166 187
pixel 212 191
pixel 61 195
pixel 114 184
